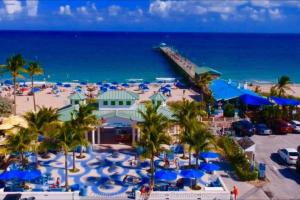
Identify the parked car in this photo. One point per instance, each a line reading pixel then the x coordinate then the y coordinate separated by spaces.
pixel 262 129
pixel 281 127
pixel 289 155
pixel 298 160
pixel 296 126
pixel 243 128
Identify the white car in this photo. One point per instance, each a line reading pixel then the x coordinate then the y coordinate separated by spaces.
pixel 289 155
pixel 296 126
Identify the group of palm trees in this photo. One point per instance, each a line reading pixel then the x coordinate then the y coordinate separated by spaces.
pixel 194 134
pixel 45 132
pixel 16 67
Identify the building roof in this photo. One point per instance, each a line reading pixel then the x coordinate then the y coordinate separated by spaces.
pixel 65 112
pixel 158 97
pixel 203 70
pixel 77 96
pixel 118 95
pixel 245 143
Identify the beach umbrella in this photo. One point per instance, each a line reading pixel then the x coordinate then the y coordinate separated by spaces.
pixel 29 175
pixel 179 84
pixel 125 85
pixel 41 138
pixel 146 82
pixel 67 85
pixel 83 83
pixel 99 83
pixel 8 82
pixel 23 85
pixel 106 84
pixel 115 83
pixel 9 175
pixel 191 173
pixel 160 81
pixel 78 90
pixel 209 154
pixel 113 87
pixel 177 149
pixel 132 81
pixel 103 89
pixel 141 85
pixel 59 84
pixel 167 86
pixel 165 175
pixel 210 167
pixel 34 90
pixel 145 88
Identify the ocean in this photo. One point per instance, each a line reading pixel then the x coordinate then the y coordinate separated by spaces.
pixel 117 56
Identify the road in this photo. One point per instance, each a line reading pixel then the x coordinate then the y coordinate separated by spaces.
pixel 284 180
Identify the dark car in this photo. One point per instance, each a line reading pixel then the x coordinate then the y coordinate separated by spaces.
pixel 262 129
pixel 298 161
pixel 243 128
pixel 282 127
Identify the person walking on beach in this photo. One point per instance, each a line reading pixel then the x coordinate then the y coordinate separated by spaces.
pixel 235 192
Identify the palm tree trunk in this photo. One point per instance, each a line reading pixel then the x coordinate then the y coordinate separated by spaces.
pixel 33 94
pixel 66 170
pixel 197 160
pixel 22 159
pixel 190 156
pixel 152 172
pixel 74 161
pixel 15 86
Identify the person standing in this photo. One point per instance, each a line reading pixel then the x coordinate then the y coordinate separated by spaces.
pixel 235 192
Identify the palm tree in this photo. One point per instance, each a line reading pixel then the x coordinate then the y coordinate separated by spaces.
pixel 185 112
pixel 201 140
pixel 83 120
pixel 203 82
pixel 38 123
pixel 15 65
pixel 20 141
pixel 283 85
pixel 34 69
pixel 153 134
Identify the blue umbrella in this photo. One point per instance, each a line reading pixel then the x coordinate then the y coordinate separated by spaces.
pixel 125 85
pixel 115 83
pixel 132 81
pixel 59 84
pixel 23 85
pixel 106 84
pixel 167 86
pixel 146 82
pixel 113 87
pixel 145 87
pixel 209 167
pixel 160 82
pixel 177 149
pixel 9 175
pixel 83 83
pixel 209 154
pixel 67 85
pixel 41 138
pixel 77 90
pixel 191 173
pixel 141 85
pixel 103 89
pixel 179 84
pixel 165 175
pixel 99 83
pixel 34 90
pixel 30 175
pixel 8 82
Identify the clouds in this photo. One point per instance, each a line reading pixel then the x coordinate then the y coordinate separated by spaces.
pixel 12 6
pixel 32 7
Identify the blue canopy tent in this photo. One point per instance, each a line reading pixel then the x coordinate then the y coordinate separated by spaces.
pixel 285 102
pixel 222 90
pixel 254 100
pixel 191 173
pixel 209 154
pixel 67 85
pixel 165 175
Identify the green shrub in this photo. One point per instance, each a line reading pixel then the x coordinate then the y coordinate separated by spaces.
pixel 238 159
pixel 229 110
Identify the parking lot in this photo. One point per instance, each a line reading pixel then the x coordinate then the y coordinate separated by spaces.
pixel 284 180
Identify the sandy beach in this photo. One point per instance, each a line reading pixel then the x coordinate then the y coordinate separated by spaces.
pixel 48 99
pixel 266 88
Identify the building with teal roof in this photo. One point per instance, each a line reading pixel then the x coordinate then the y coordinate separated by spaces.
pixel 119 112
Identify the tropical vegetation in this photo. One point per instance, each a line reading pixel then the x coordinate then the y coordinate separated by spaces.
pixel 153 134
pixel 34 69
pixel 5 106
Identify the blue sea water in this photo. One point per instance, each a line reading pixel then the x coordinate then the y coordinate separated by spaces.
pixel 98 56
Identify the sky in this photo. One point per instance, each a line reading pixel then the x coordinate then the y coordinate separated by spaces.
pixel 272 16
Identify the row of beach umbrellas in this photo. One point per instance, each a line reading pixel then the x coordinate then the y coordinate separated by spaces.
pixel 170 175
pixel 23 175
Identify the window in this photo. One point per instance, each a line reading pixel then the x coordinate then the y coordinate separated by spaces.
pixel 113 103
pixel 128 103
pixel 76 102
pixel 121 103
pixel 105 103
